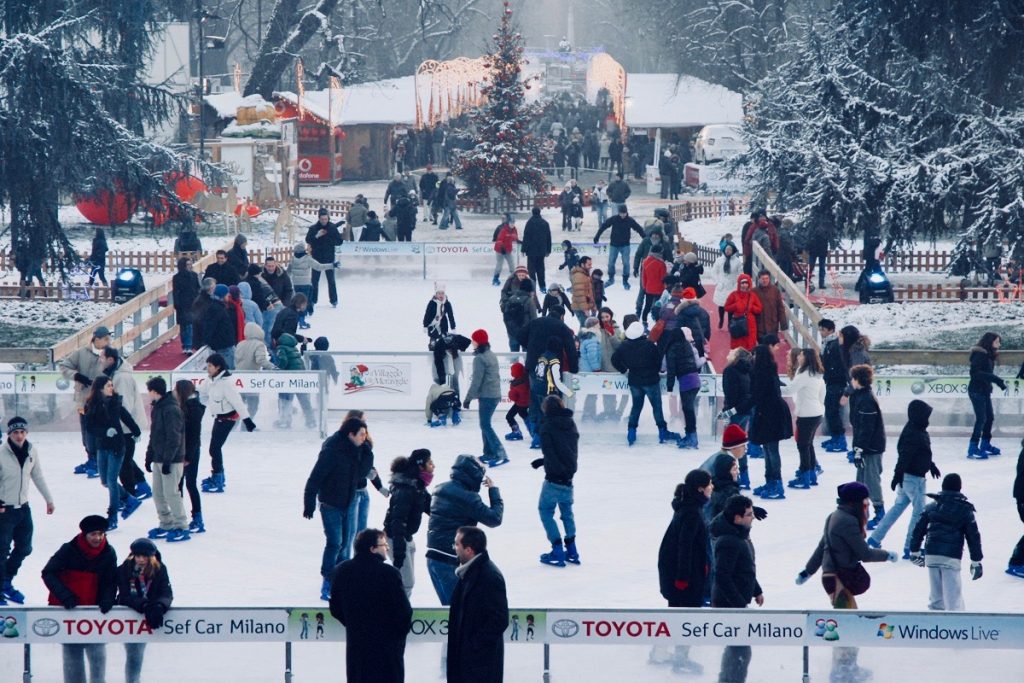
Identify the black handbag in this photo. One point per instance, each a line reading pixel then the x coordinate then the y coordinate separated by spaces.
pixel 738 327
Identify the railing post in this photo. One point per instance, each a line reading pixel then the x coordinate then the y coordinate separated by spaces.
pixel 807 665
pixel 547 663
pixel 288 662
pixel 26 676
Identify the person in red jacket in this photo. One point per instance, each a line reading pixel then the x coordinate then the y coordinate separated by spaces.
pixel 505 239
pixel 519 394
pixel 84 572
pixel 653 271
pixel 744 303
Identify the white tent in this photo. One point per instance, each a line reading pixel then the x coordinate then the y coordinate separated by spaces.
pixel 391 101
pixel 668 101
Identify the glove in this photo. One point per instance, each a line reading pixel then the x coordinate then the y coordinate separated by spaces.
pixel 858 458
pixel 802 577
pixel 465 404
pixel 896 481
pixel 1002 385
pixel 307 513
pixel 166 469
pixel 155 615
pixel 83 380
pixel 892 555
pixel 106 608
pixel 917 558
pixel 70 602
pixel 934 471
pixel 726 414
pixel 111 432
pixel 250 426
pixel 975 571
pixel 636 273
pixel 537 464
pixel 681 585
pixel 760 513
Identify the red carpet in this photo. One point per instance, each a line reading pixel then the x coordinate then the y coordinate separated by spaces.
pixel 720 337
pixel 167 357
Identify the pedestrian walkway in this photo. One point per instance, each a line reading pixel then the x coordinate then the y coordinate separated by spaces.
pixel 720 336
pixel 165 358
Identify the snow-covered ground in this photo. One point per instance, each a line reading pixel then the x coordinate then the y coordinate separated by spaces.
pixel 259 551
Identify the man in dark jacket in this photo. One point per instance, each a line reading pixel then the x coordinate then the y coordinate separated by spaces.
pixel 238 257
pixel 219 326
pixel 395 189
pixel 559 442
pixel 639 357
pixel 457 503
pixel 428 186
pixel 222 271
pixel 275 276
pixel 323 236
pixel 479 614
pixel 534 338
pixel 367 598
pixel 198 311
pixel 333 481
pixel 868 437
pixel 166 452
pixel 618 192
pixel 619 246
pixel 405 215
pixel 735 583
pixel 914 461
pixel 943 528
pixel 837 378
pixel 185 285
pixel 1016 564
pixel 84 572
pixel 536 245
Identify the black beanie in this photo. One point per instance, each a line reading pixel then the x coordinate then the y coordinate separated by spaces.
pixel 951 482
pixel 93 523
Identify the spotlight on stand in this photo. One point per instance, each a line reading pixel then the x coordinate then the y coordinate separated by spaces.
pixel 127 284
pixel 874 286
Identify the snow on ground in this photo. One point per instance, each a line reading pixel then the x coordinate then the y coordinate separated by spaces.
pixel 944 325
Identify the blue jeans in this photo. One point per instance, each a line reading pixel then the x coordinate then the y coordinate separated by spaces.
pixel 772 460
pixel 910 493
pixel 361 516
pixel 652 392
pixel 560 496
pixel 450 213
pixel 492 444
pixel 983 416
pixel 602 213
pixel 75 654
pixel 538 390
pixel 185 330
pixel 307 291
pixel 229 356
pixel 109 466
pixel 442 575
pixel 336 532
pixel 269 316
pixel 133 654
pixel 615 253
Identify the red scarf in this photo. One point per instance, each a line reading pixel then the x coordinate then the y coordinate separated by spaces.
pixel 87 550
pixel 609 328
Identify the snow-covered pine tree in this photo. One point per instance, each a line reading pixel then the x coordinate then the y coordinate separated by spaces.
pixel 507 156
pixel 870 131
pixel 72 108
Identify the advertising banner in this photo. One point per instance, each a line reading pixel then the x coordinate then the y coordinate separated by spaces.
pixel 965 631
pixel 46 382
pixel 261 382
pixel 180 626
pixel 312 624
pixel 7 382
pixel 927 387
pixel 463 249
pixel 380 249
pixel 746 627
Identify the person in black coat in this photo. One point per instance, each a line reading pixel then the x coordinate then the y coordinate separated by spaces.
pixel 222 271
pixel 405 215
pixel 192 409
pixel 837 378
pixel 772 421
pixel 408 502
pixel 368 599
pixel 534 338
pixel 238 257
pixel 104 416
pixel 868 437
pixel 187 241
pixel 144 585
pixel 323 236
pixel 287 321
pixel 735 578
pixel 536 245
pixel 198 311
pixel 559 442
pixel 439 316
pixel 333 482
pixel 373 231
pixel 276 276
pixel 98 258
pixel 219 326
pixel 479 614
pixel 979 390
pixel 639 358
pixel 1016 564
pixel 185 287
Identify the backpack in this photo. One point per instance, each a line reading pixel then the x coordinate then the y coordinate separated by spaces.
pixel 515 309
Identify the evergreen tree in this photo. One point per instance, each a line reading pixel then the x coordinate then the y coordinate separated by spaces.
pixel 871 130
pixel 506 156
pixel 73 106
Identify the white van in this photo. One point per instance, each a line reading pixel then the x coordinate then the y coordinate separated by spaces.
pixel 718 142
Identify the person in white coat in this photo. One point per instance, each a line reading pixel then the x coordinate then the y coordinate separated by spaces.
pixel 221 398
pixel 19 463
pixel 807 387
pixel 723 274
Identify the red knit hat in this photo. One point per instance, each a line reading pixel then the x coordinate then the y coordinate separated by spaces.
pixel 689 293
pixel 733 436
pixel 480 337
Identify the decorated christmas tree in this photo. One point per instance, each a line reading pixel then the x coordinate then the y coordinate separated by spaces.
pixel 506 157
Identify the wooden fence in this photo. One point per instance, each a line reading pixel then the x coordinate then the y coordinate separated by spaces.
pixel 852 260
pixel 60 292
pixel 955 293
pixel 146 261
pixel 692 209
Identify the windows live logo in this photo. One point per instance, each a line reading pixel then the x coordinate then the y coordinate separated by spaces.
pixel 885 631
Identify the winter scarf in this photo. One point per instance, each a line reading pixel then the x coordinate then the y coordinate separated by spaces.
pixel 20 452
pixel 140 583
pixel 87 550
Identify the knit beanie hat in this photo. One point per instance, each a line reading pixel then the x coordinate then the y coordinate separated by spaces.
pixel 689 293
pixel 521 269
pixel 220 291
pixel 16 423
pixel 479 336
pixel 733 436
pixel 300 248
pixel 143 546
pixel 951 482
pixel 93 523
pixel 690 257
pixel 322 212
pixel 723 465
pixel 853 492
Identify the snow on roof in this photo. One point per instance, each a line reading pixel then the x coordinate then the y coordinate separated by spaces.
pixel 658 100
pixel 227 103
pixel 391 101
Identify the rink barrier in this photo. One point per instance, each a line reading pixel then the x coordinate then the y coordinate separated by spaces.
pixel 378 380
pixel 668 627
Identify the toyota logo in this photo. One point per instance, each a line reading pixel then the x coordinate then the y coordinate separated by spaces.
pixel 45 627
pixel 565 628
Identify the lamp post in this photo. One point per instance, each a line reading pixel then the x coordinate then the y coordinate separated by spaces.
pixel 214 42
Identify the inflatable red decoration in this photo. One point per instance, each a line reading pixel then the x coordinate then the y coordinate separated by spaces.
pixel 105 208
